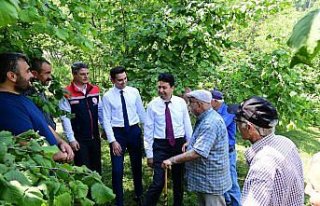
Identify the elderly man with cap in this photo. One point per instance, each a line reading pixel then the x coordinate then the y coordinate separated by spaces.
pixel 207 160
pixel 232 196
pixel 275 175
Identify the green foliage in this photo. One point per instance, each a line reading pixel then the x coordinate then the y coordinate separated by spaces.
pixel 31 177
pixel 204 44
pixel 305 38
pixel 47 98
pixel 8 12
pixel 269 75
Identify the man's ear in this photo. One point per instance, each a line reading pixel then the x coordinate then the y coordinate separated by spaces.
pixel 112 80
pixel 250 127
pixel 34 73
pixel 11 76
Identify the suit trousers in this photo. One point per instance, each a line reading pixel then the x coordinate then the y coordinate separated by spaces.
pixel 131 141
pixel 89 154
pixel 162 150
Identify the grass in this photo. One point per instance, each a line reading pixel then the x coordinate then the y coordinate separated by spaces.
pixel 307 141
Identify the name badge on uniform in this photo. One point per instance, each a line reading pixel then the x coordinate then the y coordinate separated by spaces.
pixel 94 100
pixel 74 102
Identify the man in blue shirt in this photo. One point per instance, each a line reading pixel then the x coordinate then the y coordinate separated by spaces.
pixel 234 194
pixel 18 113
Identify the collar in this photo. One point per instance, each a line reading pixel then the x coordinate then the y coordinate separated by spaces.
pixel 222 108
pixel 164 101
pixel 204 114
pixel 79 88
pixel 86 89
pixel 257 146
pixel 118 90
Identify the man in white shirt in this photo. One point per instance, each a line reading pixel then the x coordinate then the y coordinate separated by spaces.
pixel 122 112
pixel 82 131
pixel 167 128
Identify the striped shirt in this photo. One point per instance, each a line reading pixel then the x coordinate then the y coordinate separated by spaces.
pixel 275 176
pixel 210 173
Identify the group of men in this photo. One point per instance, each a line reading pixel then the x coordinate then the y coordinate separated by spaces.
pixel 206 153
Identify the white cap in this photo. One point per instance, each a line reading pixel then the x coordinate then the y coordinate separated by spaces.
pixel 201 95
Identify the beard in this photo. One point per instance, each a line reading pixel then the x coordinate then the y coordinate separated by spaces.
pixel 22 85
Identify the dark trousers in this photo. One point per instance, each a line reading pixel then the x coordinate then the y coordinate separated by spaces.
pixel 132 142
pixel 162 150
pixel 89 154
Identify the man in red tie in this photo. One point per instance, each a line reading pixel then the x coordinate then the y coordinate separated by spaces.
pixel 167 127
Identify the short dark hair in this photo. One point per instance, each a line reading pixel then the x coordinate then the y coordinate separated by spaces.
pixel 75 67
pixel 116 70
pixel 36 63
pixel 166 77
pixel 8 62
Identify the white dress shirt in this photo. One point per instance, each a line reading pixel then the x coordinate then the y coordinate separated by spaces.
pixel 155 124
pixel 112 109
pixel 66 122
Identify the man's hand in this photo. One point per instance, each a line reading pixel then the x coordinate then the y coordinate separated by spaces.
pixel 65 148
pixel 60 156
pixel 150 162
pixel 116 148
pixel 166 164
pixel 75 145
pixel 184 147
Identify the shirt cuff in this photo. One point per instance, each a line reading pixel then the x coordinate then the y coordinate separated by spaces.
pixel 111 139
pixel 71 139
pixel 149 153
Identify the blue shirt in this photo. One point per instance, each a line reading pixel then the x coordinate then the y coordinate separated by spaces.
pixel 210 172
pixel 230 123
pixel 19 114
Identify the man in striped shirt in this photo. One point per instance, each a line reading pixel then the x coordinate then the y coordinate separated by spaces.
pixel 275 175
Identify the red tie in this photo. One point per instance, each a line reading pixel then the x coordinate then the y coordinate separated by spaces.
pixel 169 127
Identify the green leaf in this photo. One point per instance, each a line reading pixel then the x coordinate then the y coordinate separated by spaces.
pixel 9 159
pixel 3 168
pixel 17 175
pixel 29 15
pixel 53 186
pixel 32 177
pixel 29 134
pixel 63 174
pixel 79 189
pixel 305 37
pixel 63 200
pixel 3 151
pixel 8 12
pixel 49 151
pixel 10 192
pixel 35 146
pixel 5 134
pixel 40 160
pixel 61 34
pixel 32 196
pixel 86 202
pixel 7 138
pixel 92 179
pixel 101 194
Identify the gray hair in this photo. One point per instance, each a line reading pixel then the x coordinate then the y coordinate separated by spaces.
pixel 262 131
